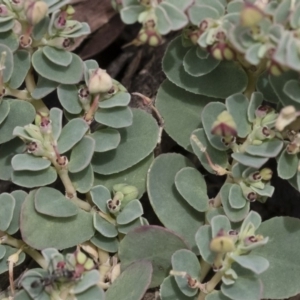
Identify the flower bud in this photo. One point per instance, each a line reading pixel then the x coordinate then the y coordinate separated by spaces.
pixel 3 10
pixel 62 161
pixel 248 193
pixel 250 15
pixel 228 140
pixel 254 177
pixel 130 192
pixel 60 43
pixel 35 11
pixel 292 148
pixel 99 82
pixel 222 243
pixel 266 174
pixel 35 148
pixel 149 36
pixel 118 187
pixel 25 41
pixel 46 126
pixel 114 205
pixel 287 115
pixel 275 68
pixel 221 51
pixel 263 133
pixel 61 21
pixel 263 110
pixel 224 125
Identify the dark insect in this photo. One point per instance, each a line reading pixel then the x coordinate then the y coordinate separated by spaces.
pixel 60 274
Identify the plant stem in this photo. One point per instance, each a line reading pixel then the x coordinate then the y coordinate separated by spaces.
pixel 210 285
pixel 22 95
pixel 205 268
pixel 30 82
pixel 9 240
pixel 90 114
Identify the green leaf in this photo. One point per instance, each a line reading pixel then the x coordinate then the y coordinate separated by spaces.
pixel 256 264
pixel 278 83
pixel 169 290
pixel 68 97
pixel 41 28
pixel 8 62
pixel 21 67
pixel 245 287
pixel 203 238
pixel 236 197
pixel 7 152
pixel 181 111
pixel 219 223
pixel 10 251
pixel 131 211
pixel 234 215
pixel 106 139
pixel 192 187
pixel 59 57
pixel 130 226
pixel 222 82
pixel 51 202
pixel 21 113
pixel 164 25
pixel 71 134
pixel 94 292
pixel 107 244
pixel 7 204
pixel 100 195
pixel 174 212
pixel 198 13
pixel 87 280
pixel 135 175
pixel 19 197
pixel 40 231
pixel 29 162
pixel 255 101
pixel 186 261
pixel 120 99
pixel 7 26
pixel 2 251
pixel 280 280
pixel 137 142
pixel 43 88
pixel 249 160
pixel 209 115
pixel 287 165
pixel 32 179
pixel 104 227
pixel 177 17
pixel 216 295
pixel 237 106
pixel 65 75
pixel 81 154
pixel 83 180
pixel 116 117
pixel 154 244
pixel 4 110
pixel 263 85
pixel 137 275
pixel 9 39
pixel 22 295
pixel 56 119
pixel 269 148
pixel 129 15
pixel 218 157
pixel 195 66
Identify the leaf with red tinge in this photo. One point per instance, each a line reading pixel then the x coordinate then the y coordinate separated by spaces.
pixel 132 283
pixel 152 243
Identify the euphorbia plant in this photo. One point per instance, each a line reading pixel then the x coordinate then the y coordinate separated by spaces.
pixel 230 99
